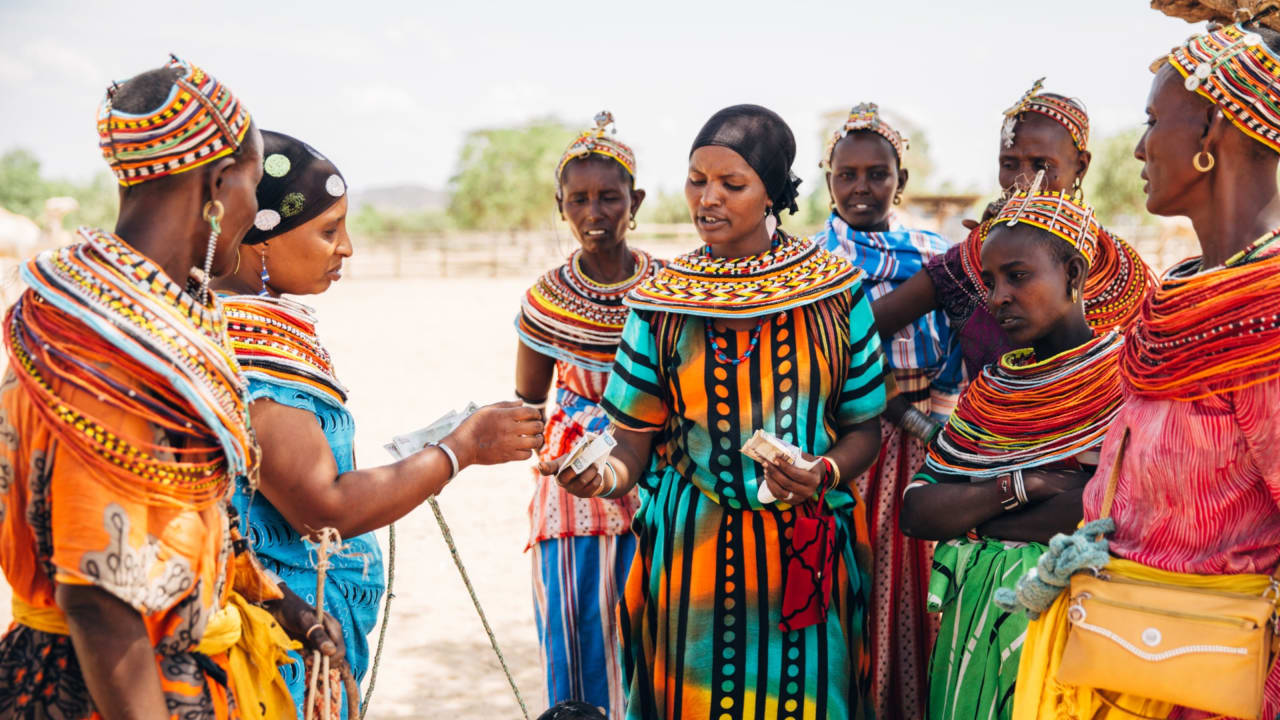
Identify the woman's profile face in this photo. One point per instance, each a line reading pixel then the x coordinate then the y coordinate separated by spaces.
pixel 864 179
pixel 1176 123
pixel 308 259
pixel 597 201
pixel 727 199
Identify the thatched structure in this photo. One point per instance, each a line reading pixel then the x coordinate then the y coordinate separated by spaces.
pixel 1222 11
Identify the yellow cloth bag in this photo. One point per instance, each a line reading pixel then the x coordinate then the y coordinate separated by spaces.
pixel 256 647
pixel 1039 694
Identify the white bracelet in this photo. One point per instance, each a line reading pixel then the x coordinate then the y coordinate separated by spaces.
pixel 1019 487
pixel 453 459
pixel 613 484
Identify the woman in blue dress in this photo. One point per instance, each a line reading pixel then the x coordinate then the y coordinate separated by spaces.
pixel 308 479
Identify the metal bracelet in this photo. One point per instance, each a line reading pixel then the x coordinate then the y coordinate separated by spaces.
pixel 453 459
pixel 1020 487
pixel 920 425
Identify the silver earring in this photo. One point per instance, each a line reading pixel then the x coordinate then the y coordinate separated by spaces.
pixel 212 214
pixel 266 276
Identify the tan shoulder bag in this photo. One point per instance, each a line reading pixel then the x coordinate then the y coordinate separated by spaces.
pixel 1199 648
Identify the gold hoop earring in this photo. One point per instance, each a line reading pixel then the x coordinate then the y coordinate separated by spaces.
pixel 897 199
pixel 1079 191
pixel 1075 295
pixel 237 267
pixel 1206 166
pixel 632 225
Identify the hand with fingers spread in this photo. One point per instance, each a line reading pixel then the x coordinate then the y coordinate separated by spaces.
pixel 792 484
pixel 495 434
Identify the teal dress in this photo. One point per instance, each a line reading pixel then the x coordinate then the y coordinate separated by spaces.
pixel 355 581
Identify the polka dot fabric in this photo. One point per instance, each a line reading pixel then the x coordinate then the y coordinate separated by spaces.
pixel 701 611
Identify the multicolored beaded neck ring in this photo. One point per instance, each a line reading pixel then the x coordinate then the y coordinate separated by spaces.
pixel 751 347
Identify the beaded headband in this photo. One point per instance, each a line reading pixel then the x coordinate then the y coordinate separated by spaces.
pixel 198 123
pixel 1068 112
pixel 1057 213
pixel 1234 69
pixel 866 116
pixel 599 140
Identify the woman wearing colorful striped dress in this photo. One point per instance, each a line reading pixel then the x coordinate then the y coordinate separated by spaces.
pixel 570 324
pixel 1007 471
pixel 755 331
pixel 865 178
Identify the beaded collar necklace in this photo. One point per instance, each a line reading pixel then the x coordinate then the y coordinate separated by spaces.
pixel 573 318
pixel 275 339
pixel 792 273
pixel 100 302
pixel 1209 332
pixel 1022 413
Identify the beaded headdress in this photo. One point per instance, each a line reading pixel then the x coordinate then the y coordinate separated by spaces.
pixel 1068 112
pixel 1057 213
pixel 198 123
pixel 1234 68
pixel 866 116
pixel 600 140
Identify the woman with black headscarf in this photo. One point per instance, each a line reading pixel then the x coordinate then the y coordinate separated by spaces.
pixel 747 596
pixel 309 481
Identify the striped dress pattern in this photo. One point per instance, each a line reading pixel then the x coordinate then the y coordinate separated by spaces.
pixel 700 614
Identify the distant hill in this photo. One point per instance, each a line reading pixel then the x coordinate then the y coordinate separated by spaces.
pixel 400 198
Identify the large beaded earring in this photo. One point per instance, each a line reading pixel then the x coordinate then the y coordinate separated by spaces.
pixel 212 214
pixel 266 276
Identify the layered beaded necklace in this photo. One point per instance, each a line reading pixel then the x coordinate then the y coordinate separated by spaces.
pixel 571 317
pixel 276 338
pixel 98 304
pixel 1209 332
pixel 793 272
pixel 1022 413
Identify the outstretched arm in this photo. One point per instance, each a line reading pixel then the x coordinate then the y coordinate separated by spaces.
pixel 907 303
pixel 300 477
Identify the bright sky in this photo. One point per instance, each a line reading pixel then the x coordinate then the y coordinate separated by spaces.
pixel 389 89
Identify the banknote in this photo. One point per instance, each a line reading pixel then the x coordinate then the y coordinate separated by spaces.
pixel 765 446
pixel 402 446
pixel 587 451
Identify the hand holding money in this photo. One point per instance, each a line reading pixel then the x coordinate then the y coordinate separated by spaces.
pixel 489 435
pixel 790 474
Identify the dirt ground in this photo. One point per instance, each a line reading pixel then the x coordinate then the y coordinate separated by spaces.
pixel 410 350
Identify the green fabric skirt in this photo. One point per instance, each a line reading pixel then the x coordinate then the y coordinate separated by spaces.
pixel 975 660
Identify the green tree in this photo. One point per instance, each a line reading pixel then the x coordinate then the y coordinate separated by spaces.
pixel 22 189
pixel 665 208
pixel 505 178
pixel 1114 182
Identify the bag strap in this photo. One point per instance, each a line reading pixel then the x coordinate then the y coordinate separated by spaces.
pixel 1110 496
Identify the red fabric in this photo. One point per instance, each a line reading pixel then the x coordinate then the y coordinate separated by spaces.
pixel 810 565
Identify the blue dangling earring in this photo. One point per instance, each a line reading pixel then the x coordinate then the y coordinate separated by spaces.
pixel 266 276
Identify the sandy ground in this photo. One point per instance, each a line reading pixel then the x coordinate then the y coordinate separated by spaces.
pixel 410 350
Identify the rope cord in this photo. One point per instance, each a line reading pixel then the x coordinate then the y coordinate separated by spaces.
pixel 462 570
pixel 386 615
